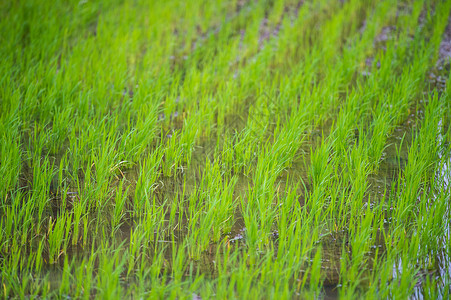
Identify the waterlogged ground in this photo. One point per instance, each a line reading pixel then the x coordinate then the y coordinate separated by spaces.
pixel 225 149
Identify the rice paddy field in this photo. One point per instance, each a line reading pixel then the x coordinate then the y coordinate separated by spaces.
pixel 242 149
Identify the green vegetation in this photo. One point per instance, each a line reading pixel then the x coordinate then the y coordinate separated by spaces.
pixel 224 149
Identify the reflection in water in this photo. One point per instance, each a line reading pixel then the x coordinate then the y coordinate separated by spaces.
pixel 439 272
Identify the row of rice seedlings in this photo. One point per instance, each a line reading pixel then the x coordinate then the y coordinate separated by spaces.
pixel 194 78
pixel 265 110
pixel 248 151
pixel 262 205
pixel 301 131
pixel 406 251
pixel 385 116
pixel 368 221
pixel 244 87
pixel 210 209
pixel 326 158
pixel 11 156
pixel 406 287
pixel 260 62
pixel 257 207
pixel 254 154
pixel 316 260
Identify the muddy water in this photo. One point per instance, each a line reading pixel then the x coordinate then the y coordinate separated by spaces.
pixel 332 243
pixel 441 269
pixel 393 161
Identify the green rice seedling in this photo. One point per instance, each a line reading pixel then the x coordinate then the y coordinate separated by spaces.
pixel 154 221
pixel 419 164
pixel 175 211
pixel 79 211
pixel 271 163
pixel 172 155
pixel 141 134
pixel 188 138
pixel 84 277
pixel 10 156
pixel 178 267
pixel 111 267
pixel 14 284
pixel 354 258
pixel 136 244
pixel 147 180
pixel 154 272
pixel 119 206
pixel 65 284
pixel 245 149
pixel 211 209
pixel 14 218
pixel 39 260
pixel 85 221
pixel 58 236
pixel 61 126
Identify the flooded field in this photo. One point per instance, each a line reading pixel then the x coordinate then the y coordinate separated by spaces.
pixel 225 149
